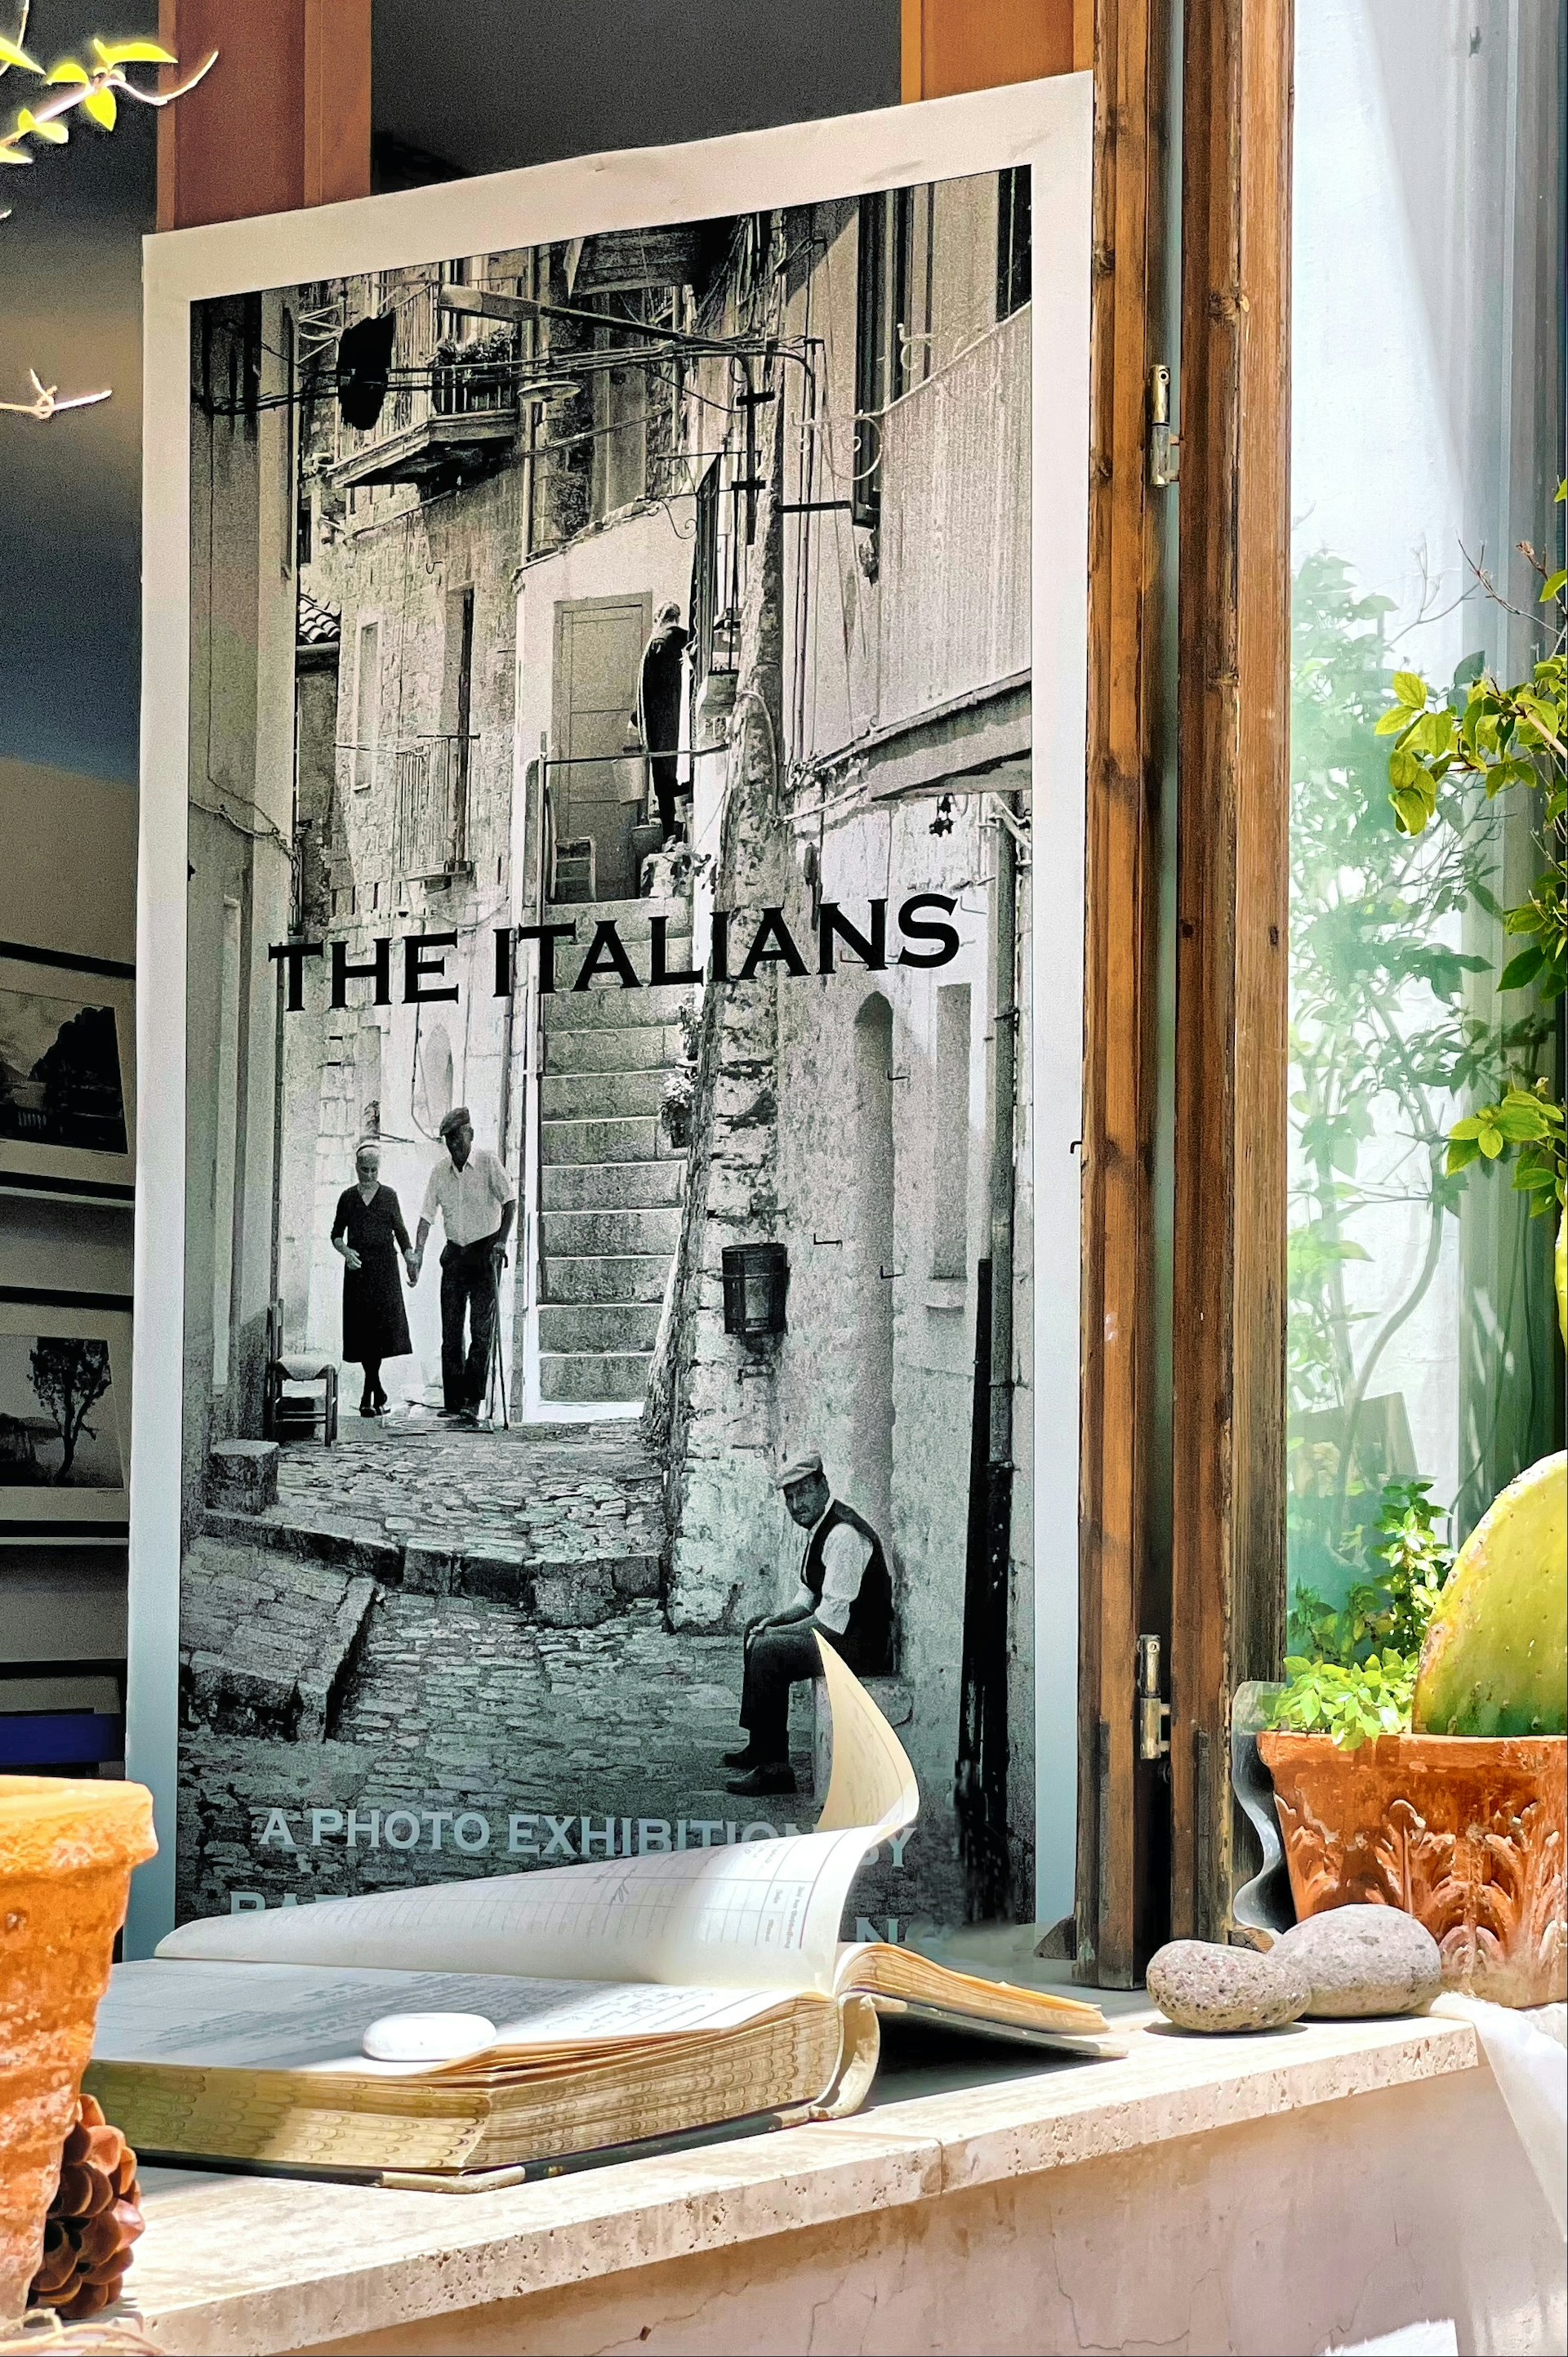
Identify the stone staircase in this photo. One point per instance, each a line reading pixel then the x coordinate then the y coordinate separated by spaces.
pixel 610 1184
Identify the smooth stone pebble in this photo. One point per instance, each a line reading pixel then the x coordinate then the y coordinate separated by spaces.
pixel 428 2037
pixel 1200 1986
pixel 1364 1960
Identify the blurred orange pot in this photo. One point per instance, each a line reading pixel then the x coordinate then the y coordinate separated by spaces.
pixel 66 1855
pixel 1464 1832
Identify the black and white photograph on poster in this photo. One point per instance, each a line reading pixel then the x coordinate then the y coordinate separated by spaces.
pixel 64 1420
pixel 67 1037
pixel 609 1239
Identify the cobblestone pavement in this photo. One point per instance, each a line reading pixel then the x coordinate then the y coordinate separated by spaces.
pixel 465 1706
pixel 554 1493
pixel 460 1724
pixel 466 1718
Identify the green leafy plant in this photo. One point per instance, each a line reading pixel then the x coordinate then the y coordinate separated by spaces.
pixel 67 88
pixel 1506 740
pixel 1408 1561
pixel 1354 1705
pixel 1350 1670
pixel 96 89
pixel 1382 1040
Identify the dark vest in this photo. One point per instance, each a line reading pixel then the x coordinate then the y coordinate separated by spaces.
pixel 867 1642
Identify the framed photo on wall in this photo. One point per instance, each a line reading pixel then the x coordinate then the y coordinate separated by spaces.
pixel 614 995
pixel 68 1048
pixel 65 1421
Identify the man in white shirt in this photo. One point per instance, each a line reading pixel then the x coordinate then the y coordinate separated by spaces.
pixel 845 1591
pixel 476 1202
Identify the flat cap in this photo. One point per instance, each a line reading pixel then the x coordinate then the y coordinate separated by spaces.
pixel 459 1118
pixel 808 1468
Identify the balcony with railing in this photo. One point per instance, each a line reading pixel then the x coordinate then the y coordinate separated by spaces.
pixel 451 408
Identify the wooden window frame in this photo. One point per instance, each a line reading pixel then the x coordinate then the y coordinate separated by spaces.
pixel 1154 1838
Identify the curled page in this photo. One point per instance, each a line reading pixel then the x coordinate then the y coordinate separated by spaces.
pixel 761 1914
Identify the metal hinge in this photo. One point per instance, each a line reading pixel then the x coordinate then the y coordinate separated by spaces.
pixel 1153 1716
pixel 1165 447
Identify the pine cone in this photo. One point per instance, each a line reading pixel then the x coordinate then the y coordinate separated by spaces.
pixel 93 2221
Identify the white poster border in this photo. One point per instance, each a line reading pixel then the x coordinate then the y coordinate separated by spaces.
pixel 1046 126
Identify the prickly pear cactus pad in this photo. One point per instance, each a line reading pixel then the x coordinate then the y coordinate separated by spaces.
pixel 1495 1656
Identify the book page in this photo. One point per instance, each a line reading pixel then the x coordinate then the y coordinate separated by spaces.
pixel 870 1781
pixel 294 2018
pixel 762 1914
pixel 902 1974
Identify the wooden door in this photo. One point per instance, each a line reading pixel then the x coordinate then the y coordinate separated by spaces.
pixel 597 774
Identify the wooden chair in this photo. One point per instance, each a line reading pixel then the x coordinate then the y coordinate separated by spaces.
pixel 296 1367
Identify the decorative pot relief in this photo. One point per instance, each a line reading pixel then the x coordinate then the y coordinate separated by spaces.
pixel 1463 1833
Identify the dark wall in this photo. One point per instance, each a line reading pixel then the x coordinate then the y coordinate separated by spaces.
pixel 70 490
pixel 487 84
pixel 465 85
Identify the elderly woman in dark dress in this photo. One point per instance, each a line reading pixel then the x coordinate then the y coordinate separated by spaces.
pixel 369 1233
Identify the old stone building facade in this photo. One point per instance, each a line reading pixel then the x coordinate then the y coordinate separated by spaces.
pixel 808 1026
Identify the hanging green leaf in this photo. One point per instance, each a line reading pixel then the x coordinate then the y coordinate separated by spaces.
pixel 134 53
pixel 68 71
pixel 102 106
pixel 1522 970
pixel 55 133
pixel 10 55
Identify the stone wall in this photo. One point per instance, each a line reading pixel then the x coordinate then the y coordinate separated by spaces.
pixel 712 1400
pixel 400 561
pixel 242 725
pixel 782 1153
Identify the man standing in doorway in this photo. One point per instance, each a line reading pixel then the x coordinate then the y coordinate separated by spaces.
pixel 476 1202
pixel 845 1590
pixel 661 692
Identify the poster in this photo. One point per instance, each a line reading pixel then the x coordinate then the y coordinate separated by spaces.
pixel 66 1084
pixel 620 1027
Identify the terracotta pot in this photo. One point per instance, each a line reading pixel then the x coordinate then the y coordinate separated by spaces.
pixel 1466 1833
pixel 66 1855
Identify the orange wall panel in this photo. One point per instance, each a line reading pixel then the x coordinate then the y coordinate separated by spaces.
pixel 954 45
pixel 282 120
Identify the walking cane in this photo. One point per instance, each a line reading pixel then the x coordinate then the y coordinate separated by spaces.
pixel 497 1364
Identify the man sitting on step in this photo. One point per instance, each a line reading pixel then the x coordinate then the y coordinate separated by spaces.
pixel 846 1591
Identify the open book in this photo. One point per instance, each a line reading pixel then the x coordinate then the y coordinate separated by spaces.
pixel 542 2015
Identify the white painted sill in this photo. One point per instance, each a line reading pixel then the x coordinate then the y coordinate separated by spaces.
pixel 240 2264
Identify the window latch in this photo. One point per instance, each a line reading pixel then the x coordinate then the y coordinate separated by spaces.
pixel 1165 446
pixel 1154 1719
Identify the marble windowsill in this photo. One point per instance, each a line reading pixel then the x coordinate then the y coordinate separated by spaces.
pixel 243 2264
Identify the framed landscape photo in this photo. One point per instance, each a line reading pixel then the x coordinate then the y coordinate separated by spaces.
pixel 65 1422
pixel 612 929
pixel 66 1075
